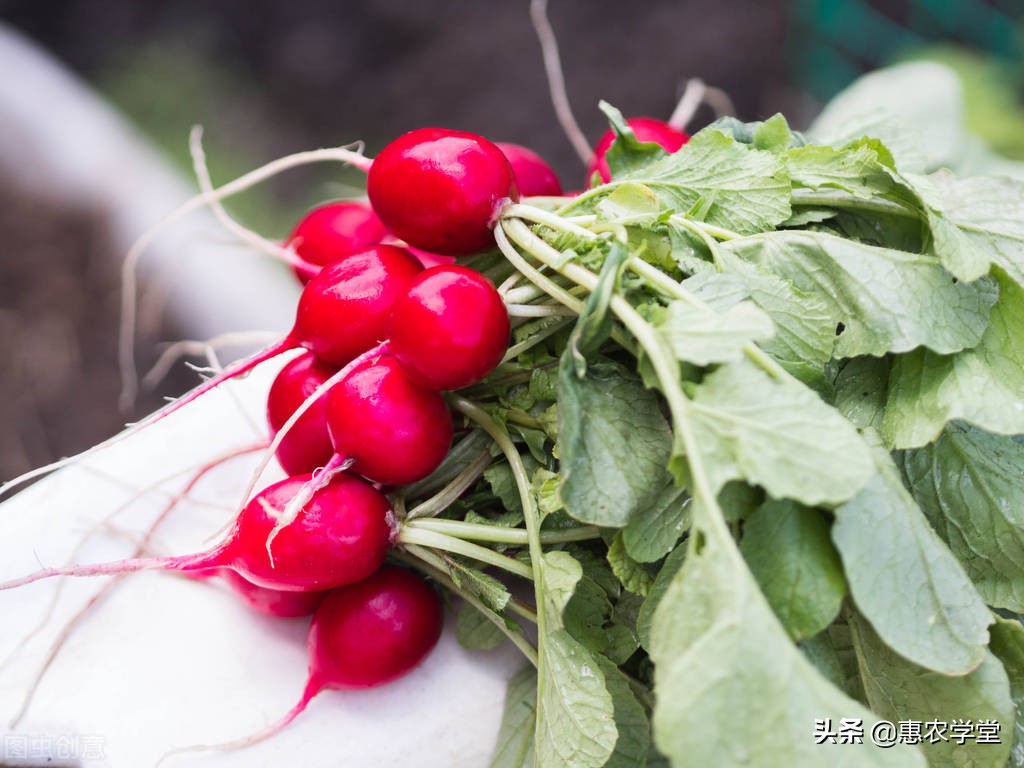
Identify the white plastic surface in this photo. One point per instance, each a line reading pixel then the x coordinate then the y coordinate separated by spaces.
pixel 168 662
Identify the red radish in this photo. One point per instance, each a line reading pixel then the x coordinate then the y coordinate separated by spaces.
pixel 441 190
pixel 340 536
pixel 533 175
pixel 343 310
pixel 331 231
pixel 393 430
pixel 363 635
pixel 307 445
pixel 283 604
pixel 374 631
pixel 449 329
pixel 647 129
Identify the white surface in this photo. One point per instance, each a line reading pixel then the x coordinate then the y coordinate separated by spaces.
pixel 167 662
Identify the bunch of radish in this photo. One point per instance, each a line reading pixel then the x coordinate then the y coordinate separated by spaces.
pixel 387 322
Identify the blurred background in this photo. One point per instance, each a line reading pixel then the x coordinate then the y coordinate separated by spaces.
pixel 266 79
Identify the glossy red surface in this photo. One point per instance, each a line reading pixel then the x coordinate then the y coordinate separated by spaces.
pixel 450 329
pixel 396 431
pixel 374 631
pixel 439 189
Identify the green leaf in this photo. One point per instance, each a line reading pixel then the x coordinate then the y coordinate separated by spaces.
pixel 966 256
pixel 778 434
pixel 860 391
pixel 833 655
pixel 854 168
pixel 703 336
pixel 916 109
pixel 575 720
pixel 561 572
pixel 1008 646
pixel 475 631
pixel 627 153
pixel 789 553
pixel 773 134
pixel 576 725
pixel 630 720
pixel 628 571
pixel 983 385
pixel 731 687
pixel 623 639
pixel 586 615
pixel 984 219
pixel 668 571
pixel 613 443
pixel 887 300
pixel 503 485
pixel 969 484
pixel 594 324
pixel 905 580
pixel 514 747
pixel 804 324
pixel 898 689
pixel 629 203
pixel 722 181
pixel 652 533
pixel 492 592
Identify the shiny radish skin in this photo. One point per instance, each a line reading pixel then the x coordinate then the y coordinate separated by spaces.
pixel 449 329
pixel 307 445
pixel 646 129
pixel 395 431
pixel 374 631
pixel 331 231
pixel 344 310
pixel 340 536
pixel 441 190
pixel 272 602
pixel 534 177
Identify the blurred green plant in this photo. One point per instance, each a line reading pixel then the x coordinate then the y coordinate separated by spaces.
pixel 992 91
pixel 165 89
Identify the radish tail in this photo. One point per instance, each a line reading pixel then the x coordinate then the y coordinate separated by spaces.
pixel 210 559
pixel 313 687
pixel 235 369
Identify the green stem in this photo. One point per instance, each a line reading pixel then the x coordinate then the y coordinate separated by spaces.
pixel 703 234
pixel 538 310
pixel 719 233
pixel 427 538
pixel 534 275
pixel 838 199
pixel 530 516
pixel 517 349
pixel 500 535
pixel 673 289
pixel 520 608
pixel 543 282
pixel 524 420
pixel 548 219
pixel 438 570
pixel 663 363
pixel 444 498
